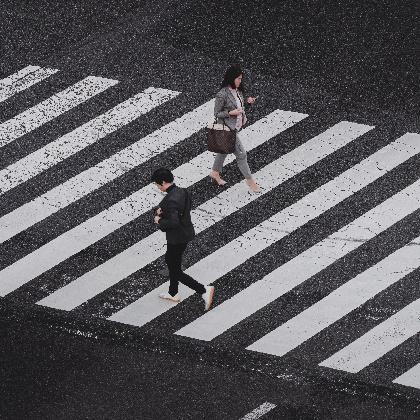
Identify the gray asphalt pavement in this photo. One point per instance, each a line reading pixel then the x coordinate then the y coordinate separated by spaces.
pixel 48 374
pixel 316 66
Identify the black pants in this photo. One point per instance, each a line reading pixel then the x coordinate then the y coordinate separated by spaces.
pixel 173 258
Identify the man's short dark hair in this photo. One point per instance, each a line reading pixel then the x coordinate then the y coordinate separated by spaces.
pixel 162 175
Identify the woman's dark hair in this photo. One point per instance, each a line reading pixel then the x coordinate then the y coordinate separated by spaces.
pixel 162 175
pixel 231 74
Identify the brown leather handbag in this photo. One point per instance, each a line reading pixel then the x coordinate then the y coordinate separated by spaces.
pixel 220 138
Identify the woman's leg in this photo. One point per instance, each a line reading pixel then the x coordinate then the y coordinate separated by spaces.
pixel 218 162
pixel 241 157
pixel 217 168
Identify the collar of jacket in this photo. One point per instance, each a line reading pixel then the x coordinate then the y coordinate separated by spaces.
pixel 169 189
pixel 232 98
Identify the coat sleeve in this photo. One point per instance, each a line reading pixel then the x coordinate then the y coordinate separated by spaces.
pixel 170 219
pixel 219 104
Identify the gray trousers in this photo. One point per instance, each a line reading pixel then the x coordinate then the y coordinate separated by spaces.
pixel 241 158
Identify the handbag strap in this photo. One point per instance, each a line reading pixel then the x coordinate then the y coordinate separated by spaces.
pixel 215 122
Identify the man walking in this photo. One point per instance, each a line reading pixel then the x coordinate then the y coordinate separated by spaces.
pixel 174 218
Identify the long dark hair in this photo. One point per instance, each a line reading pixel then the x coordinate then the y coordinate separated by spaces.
pixel 231 74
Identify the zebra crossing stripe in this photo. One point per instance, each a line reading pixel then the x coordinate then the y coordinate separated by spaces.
pixel 23 79
pixel 295 272
pixel 259 411
pixel 410 378
pixel 390 333
pixel 338 303
pixel 118 164
pixel 52 107
pixel 83 136
pixel 143 200
pixel 145 309
pixel 75 293
pixel 280 225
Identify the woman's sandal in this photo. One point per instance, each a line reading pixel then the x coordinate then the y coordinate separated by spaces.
pixel 253 186
pixel 220 182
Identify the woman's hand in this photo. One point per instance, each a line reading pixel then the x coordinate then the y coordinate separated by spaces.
pixel 236 112
pixel 251 100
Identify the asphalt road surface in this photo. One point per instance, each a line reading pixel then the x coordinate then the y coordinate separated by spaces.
pixel 316 313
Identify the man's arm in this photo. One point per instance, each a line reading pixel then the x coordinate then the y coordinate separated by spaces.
pixel 170 219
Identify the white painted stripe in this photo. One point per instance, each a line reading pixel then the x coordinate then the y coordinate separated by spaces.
pixel 83 136
pixel 23 79
pixel 295 271
pixel 390 333
pixel 138 203
pixel 52 107
pixel 410 378
pixel 259 411
pixel 147 308
pixel 105 171
pixel 330 309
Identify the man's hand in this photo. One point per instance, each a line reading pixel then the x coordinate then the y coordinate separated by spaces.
pixel 158 214
pixel 251 100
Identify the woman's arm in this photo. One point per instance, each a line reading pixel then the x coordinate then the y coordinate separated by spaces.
pixel 219 104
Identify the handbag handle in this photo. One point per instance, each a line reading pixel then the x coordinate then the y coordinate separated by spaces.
pixel 215 122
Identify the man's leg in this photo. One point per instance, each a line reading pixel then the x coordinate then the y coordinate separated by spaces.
pixel 185 278
pixel 173 258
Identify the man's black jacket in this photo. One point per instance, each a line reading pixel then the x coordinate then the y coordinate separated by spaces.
pixel 176 216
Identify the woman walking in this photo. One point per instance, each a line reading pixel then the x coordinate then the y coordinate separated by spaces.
pixel 229 109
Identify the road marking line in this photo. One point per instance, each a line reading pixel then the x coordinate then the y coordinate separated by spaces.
pixel 410 378
pixel 142 201
pixel 294 272
pixel 325 312
pixel 390 333
pixel 146 308
pixel 299 269
pixel 83 136
pixel 52 107
pixel 259 411
pixel 23 79
pixel 93 178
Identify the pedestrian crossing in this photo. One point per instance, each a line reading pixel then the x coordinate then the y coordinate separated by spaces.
pixel 22 80
pixel 302 267
pixel 110 219
pixel 150 248
pixel 83 136
pixel 52 107
pixel 390 333
pixel 104 172
pixel 222 206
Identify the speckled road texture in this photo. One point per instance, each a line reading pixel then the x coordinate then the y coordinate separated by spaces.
pixel 317 278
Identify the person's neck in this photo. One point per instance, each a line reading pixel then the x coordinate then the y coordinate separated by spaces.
pixel 167 187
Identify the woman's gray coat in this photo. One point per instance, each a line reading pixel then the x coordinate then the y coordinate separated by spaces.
pixel 224 103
